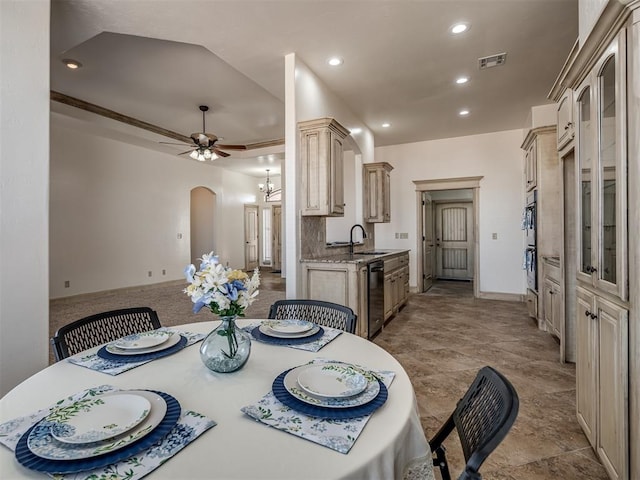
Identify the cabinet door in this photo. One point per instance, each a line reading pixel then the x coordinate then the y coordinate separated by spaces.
pixel 336 186
pixel 362 327
pixel 586 367
pixel 547 304
pixel 610 208
pixel 389 292
pixel 557 304
pixel 612 438
pixel 584 166
pixel 531 166
pixel 565 119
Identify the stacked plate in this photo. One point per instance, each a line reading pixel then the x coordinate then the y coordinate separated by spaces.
pixel 143 346
pixel 97 431
pixel 287 332
pixel 330 390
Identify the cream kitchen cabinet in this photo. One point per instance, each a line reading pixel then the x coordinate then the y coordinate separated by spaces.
pixel 377 193
pixel 396 282
pixel 602 379
pixel 602 366
pixel 552 300
pixel 566 131
pixel 530 166
pixel 344 283
pixel 321 152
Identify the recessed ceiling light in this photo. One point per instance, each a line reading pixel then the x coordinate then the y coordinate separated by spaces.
pixel 355 131
pixel 461 80
pixel 386 125
pixel 459 28
pixel 463 113
pixel 72 64
pixel 335 61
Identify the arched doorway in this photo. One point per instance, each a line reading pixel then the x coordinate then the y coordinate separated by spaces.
pixel 203 204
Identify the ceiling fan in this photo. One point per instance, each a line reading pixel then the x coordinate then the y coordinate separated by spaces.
pixel 205 147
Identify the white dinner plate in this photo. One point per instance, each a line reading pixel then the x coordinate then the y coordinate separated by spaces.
pixel 173 340
pixel 290 326
pixel 98 418
pixel 332 380
pixel 271 333
pixel 137 341
pixel 44 445
pixel 369 393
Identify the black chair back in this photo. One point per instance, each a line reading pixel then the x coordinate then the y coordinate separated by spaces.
pixel 316 311
pixel 482 418
pixel 102 328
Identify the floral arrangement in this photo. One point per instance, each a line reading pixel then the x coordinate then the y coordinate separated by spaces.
pixel 227 292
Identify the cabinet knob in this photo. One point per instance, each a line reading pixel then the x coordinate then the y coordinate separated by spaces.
pixel 593 316
pixel 587 313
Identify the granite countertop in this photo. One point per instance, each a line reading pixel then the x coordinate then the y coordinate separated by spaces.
pixel 357 257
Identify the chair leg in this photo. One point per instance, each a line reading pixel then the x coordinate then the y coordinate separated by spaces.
pixel 441 462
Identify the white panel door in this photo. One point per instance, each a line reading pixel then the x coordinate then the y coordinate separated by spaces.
pixel 251 250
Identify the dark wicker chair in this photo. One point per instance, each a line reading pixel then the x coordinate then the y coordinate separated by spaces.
pixel 483 417
pixel 322 313
pixel 102 328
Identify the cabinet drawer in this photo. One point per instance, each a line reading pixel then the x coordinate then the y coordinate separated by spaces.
pixel 391 264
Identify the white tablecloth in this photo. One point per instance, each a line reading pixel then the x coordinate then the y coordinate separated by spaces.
pixel 239 447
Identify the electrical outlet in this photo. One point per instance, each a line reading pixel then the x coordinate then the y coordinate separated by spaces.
pixel 404 236
pixel 164 272
pixel 397 235
pixel 66 284
pixel 179 236
pixel 494 236
pixel 150 273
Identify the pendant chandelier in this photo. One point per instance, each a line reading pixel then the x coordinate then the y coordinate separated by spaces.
pixel 266 188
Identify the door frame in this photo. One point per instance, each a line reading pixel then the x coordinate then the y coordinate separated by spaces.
pixel 472 183
pixel 247 207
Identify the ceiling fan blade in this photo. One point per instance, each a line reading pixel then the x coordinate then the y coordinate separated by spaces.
pixel 232 147
pixel 171 143
pixel 220 153
pixel 188 151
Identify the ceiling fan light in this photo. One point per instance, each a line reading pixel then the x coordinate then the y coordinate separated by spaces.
pixel 194 154
pixel 201 158
pixel 213 156
pixel 207 154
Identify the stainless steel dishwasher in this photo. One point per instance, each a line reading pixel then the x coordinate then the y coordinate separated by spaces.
pixel 376 296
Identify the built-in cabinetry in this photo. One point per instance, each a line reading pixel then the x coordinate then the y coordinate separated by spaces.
pixel 602 292
pixel 343 279
pixel 377 192
pixel 543 177
pixel 396 284
pixel 321 158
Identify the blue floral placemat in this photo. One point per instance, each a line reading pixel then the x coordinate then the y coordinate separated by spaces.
pixel 314 346
pixel 189 427
pixel 112 367
pixel 338 435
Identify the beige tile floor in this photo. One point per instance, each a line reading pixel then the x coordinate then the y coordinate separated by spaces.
pixel 442 338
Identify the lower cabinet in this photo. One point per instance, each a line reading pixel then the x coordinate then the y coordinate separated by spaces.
pixel 396 284
pixel 553 307
pixel 602 379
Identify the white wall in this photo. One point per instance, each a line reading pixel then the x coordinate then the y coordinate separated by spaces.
pixel 24 194
pixel 117 211
pixel 497 157
pixel 306 98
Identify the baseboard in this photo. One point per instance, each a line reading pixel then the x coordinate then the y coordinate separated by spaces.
pixel 121 289
pixel 506 297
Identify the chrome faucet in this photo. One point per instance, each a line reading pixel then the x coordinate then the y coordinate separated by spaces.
pixel 364 235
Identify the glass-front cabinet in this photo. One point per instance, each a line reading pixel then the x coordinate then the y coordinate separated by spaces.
pixel 602 173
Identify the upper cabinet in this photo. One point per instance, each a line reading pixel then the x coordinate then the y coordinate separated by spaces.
pixel 565 119
pixel 377 194
pixel 321 152
pixel 602 172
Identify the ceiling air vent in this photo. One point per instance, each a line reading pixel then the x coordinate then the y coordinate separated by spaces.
pixel 492 61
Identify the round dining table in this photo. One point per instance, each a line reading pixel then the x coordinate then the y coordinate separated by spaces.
pixel 239 447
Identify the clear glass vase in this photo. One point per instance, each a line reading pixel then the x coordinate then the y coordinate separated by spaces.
pixel 227 348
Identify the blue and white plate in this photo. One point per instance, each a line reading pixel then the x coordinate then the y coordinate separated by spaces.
pixel 148 339
pixel 143 357
pixel 32 461
pixel 43 444
pixel 291 385
pixel 94 419
pixel 331 380
pixel 282 394
pixel 289 326
pixel 266 330
pixel 174 339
